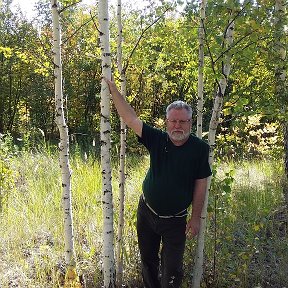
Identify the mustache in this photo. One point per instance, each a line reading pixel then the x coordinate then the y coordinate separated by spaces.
pixel 177 131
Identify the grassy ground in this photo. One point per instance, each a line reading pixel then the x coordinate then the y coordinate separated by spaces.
pixel 246 243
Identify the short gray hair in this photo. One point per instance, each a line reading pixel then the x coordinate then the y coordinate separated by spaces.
pixel 178 105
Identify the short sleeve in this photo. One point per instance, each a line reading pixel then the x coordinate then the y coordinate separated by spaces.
pixel 204 170
pixel 150 136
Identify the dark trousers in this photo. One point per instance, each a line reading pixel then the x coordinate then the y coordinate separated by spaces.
pixel 151 230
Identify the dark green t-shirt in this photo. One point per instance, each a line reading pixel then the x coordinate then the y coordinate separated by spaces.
pixel 169 182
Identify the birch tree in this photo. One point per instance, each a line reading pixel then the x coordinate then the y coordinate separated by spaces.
pixel 107 201
pixel 280 20
pixel 119 252
pixel 71 278
pixel 201 34
pixel 214 121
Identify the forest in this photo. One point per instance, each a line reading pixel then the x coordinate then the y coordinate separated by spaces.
pixel 170 50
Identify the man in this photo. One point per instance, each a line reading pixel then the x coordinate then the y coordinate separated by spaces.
pixel 177 175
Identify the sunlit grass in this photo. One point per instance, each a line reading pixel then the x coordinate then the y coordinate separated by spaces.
pixel 241 224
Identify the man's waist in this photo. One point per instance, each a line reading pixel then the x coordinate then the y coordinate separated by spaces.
pixel 182 213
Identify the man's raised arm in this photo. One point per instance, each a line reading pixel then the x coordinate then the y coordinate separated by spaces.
pixel 124 109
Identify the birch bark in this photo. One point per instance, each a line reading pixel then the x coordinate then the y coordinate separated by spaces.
pixel 119 252
pixel 71 277
pixel 107 201
pixel 280 20
pixel 214 121
pixel 64 138
pixel 200 70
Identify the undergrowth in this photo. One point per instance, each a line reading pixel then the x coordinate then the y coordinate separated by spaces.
pixel 246 230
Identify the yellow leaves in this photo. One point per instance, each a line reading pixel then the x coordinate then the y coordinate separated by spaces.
pixel 7 51
pixel 257 227
pixel 10 52
pixel 160 123
pixel 227 111
pixel 72 279
pixel 23 57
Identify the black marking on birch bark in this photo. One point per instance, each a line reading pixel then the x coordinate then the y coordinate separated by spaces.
pixel 65 198
pixel 106 66
pixel 105 19
pixel 105 117
pixel 64 185
pixel 101 33
pixel 106 54
pixel 54 5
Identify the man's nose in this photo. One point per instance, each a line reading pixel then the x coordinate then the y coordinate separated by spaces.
pixel 177 124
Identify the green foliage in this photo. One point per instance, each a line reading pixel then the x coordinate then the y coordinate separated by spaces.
pixel 256 134
pixel 161 69
pixel 245 204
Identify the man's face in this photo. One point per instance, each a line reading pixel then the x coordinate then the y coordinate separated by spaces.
pixel 178 125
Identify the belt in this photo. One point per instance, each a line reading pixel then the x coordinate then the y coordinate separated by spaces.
pixel 182 213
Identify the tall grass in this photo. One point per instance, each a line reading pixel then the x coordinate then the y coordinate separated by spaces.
pixel 245 236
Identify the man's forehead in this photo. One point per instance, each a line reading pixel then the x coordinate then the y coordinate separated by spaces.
pixel 180 111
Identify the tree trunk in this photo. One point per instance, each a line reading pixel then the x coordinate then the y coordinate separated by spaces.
pixel 119 252
pixel 108 231
pixel 71 278
pixel 280 21
pixel 285 188
pixel 201 35
pixel 214 121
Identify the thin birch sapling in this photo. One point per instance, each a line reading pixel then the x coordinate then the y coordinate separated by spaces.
pixel 119 251
pixel 71 277
pixel 105 134
pixel 200 100
pixel 214 121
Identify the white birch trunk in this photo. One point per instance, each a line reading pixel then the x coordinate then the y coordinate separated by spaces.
pixel 280 77
pixel 64 140
pixel 280 45
pixel 108 231
pixel 201 35
pixel 214 121
pixel 119 252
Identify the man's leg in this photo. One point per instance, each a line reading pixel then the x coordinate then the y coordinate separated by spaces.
pixel 149 244
pixel 173 237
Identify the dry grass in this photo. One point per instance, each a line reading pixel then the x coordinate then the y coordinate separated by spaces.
pixel 245 245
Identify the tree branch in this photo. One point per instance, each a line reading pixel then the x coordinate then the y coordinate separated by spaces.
pixel 79 28
pixel 141 36
pixel 68 6
pixel 210 53
pixel 92 18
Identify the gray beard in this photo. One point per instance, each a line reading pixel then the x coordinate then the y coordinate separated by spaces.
pixel 178 136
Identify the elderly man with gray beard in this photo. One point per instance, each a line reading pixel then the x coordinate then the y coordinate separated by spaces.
pixel 177 177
